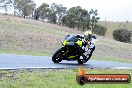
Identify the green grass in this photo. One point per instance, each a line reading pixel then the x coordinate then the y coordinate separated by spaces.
pixel 64 78
pixel 23 52
pixel 104 58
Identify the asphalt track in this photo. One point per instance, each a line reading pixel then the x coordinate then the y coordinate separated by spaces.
pixel 12 61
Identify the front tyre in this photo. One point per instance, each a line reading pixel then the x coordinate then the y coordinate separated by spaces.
pixel 56 58
pixel 82 59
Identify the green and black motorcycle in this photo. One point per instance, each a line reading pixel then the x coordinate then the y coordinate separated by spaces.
pixel 71 50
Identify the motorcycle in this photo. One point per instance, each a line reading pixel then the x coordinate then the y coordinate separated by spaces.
pixel 72 50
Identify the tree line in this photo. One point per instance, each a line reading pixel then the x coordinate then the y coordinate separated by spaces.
pixel 74 17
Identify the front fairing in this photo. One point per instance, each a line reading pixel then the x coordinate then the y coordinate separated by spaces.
pixel 71 40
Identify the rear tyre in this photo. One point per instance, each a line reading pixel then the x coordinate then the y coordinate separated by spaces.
pixel 56 58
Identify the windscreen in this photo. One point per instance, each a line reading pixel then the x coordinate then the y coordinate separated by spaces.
pixel 72 38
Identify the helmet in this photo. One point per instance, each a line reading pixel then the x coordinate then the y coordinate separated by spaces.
pixel 87 32
pixel 88 35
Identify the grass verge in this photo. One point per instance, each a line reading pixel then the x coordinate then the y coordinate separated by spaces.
pixel 64 78
pixel 104 58
pixel 23 52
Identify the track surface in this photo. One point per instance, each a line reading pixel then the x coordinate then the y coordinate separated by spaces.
pixel 12 61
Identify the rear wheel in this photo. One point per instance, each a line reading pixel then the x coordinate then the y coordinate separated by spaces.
pixel 56 58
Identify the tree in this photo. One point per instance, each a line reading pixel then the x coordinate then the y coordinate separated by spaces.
pixel 52 13
pixel 60 12
pixel 73 17
pixel 52 17
pixel 77 17
pixel 36 15
pixel 43 11
pixel 84 20
pixel 99 30
pixel 122 35
pixel 68 21
pixel 57 12
pixel 24 7
pixel 6 5
pixel 93 18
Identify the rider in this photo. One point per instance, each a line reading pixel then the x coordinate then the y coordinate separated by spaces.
pixel 88 42
pixel 90 38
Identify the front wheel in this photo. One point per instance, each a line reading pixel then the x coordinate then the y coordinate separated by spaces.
pixel 56 58
pixel 82 59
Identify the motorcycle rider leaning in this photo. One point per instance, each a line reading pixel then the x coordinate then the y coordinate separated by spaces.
pixel 88 43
